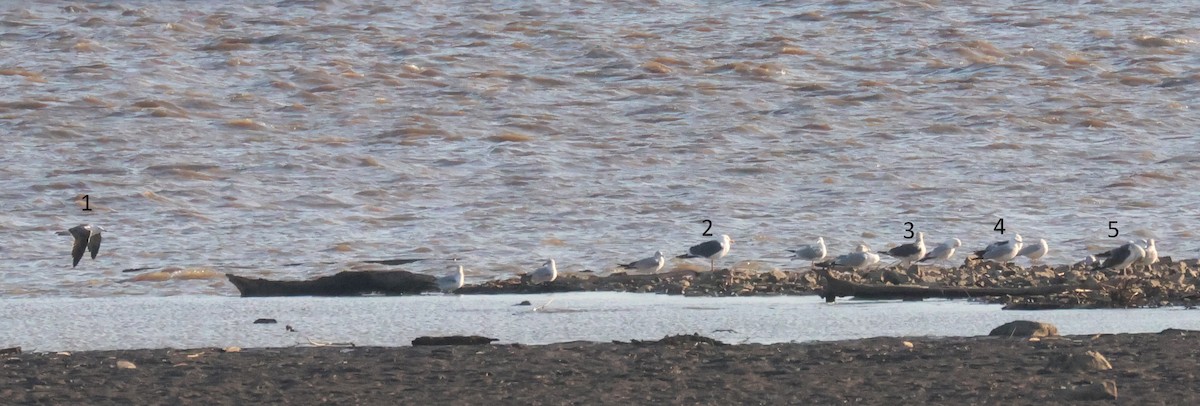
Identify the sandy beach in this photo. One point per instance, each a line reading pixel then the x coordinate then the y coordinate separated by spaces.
pixel 1157 368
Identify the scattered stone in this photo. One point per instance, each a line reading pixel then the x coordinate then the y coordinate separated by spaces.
pixel 1106 390
pixel 123 364
pixel 1079 362
pixel 777 275
pixel 289 328
pixel 524 303
pixel 453 340
pixel 265 321
pixel 232 349
pixel 1025 328
pixel 11 350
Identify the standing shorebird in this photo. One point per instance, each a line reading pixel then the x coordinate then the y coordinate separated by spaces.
pixel 1121 257
pixel 862 257
pixel 1001 251
pixel 908 253
pixel 713 250
pixel 1150 256
pixel 451 282
pixel 943 251
pixel 87 237
pixel 811 253
pixel 1035 251
pixel 546 274
pixel 647 265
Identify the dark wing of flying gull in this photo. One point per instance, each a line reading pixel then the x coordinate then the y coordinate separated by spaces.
pixel 706 250
pixel 80 235
pixel 93 242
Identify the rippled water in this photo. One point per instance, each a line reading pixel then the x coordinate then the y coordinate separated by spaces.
pixel 57 324
pixel 241 136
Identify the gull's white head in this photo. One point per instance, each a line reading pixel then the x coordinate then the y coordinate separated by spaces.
pixel 659 254
pixel 955 243
pixel 862 248
pixel 1017 238
pixel 921 236
pixel 726 239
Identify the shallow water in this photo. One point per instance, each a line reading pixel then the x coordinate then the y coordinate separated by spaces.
pixel 241 136
pixel 55 324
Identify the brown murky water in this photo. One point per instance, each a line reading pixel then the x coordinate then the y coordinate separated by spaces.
pixel 242 136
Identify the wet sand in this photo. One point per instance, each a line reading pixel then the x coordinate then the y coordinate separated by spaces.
pixel 1147 369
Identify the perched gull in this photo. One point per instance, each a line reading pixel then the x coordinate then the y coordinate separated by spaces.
pixel 1035 251
pixel 943 251
pixel 1001 251
pixel 1121 257
pixel 862 257
pixel 811 253
pixel 1151 253
pixel 648 265
pixel 908 253
pixel 87 237
pixel 451 282
pixel 547 273
pixel 713 250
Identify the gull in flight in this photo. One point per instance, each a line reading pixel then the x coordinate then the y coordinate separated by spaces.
pixel 451 282
pixel 1121 257
pixel 811 253
pixel 943 251
pixel 713 250
pixel 648 265
pixel 1001 251
pixel 908 253
pixel 547 273
pixel 862 257
pixel 87 237
pixel 1035 251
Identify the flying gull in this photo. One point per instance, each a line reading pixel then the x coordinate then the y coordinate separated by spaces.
pixel 1151 254
pixel 547 273
pixel 943 251
pixel 713 250
pixel 1121 257
pixel 1001 251
pixel 451 282
pixel 1035 251
pixel 87 237
pixel 811 253
pixel 648 265
pixel 908 253
pixel 862 257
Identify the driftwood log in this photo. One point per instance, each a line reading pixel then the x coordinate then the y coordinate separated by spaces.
pixel 453 340
pixel 834 288
pixel 346 283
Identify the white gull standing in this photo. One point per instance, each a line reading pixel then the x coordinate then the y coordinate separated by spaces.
pixel 811 253
pixel 1001 251
pixel 713 250
pixel 1035 251
pixel 547 273
pixel 648 265
pixel 87 237
pixel 862 257
pixel 908 253
pixel 451 282
pixel 1150 254
pixel 943 251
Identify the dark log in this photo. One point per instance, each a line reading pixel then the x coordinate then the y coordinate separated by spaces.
pixel 10 351
pixel 453 340
pixel 835 287
pixel 346 283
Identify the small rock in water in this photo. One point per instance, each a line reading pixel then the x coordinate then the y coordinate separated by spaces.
pixel 1025 328
pixel 123 364
pixel 265 321
pixel 524 303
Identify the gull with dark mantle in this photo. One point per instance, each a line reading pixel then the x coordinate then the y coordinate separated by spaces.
pixel 713 250
pixel 811 253
pixel 87 237
pixel 1121 257
pixel 647 265
pixel 908 253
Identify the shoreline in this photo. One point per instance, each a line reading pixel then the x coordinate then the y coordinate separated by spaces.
pixel 1147 367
